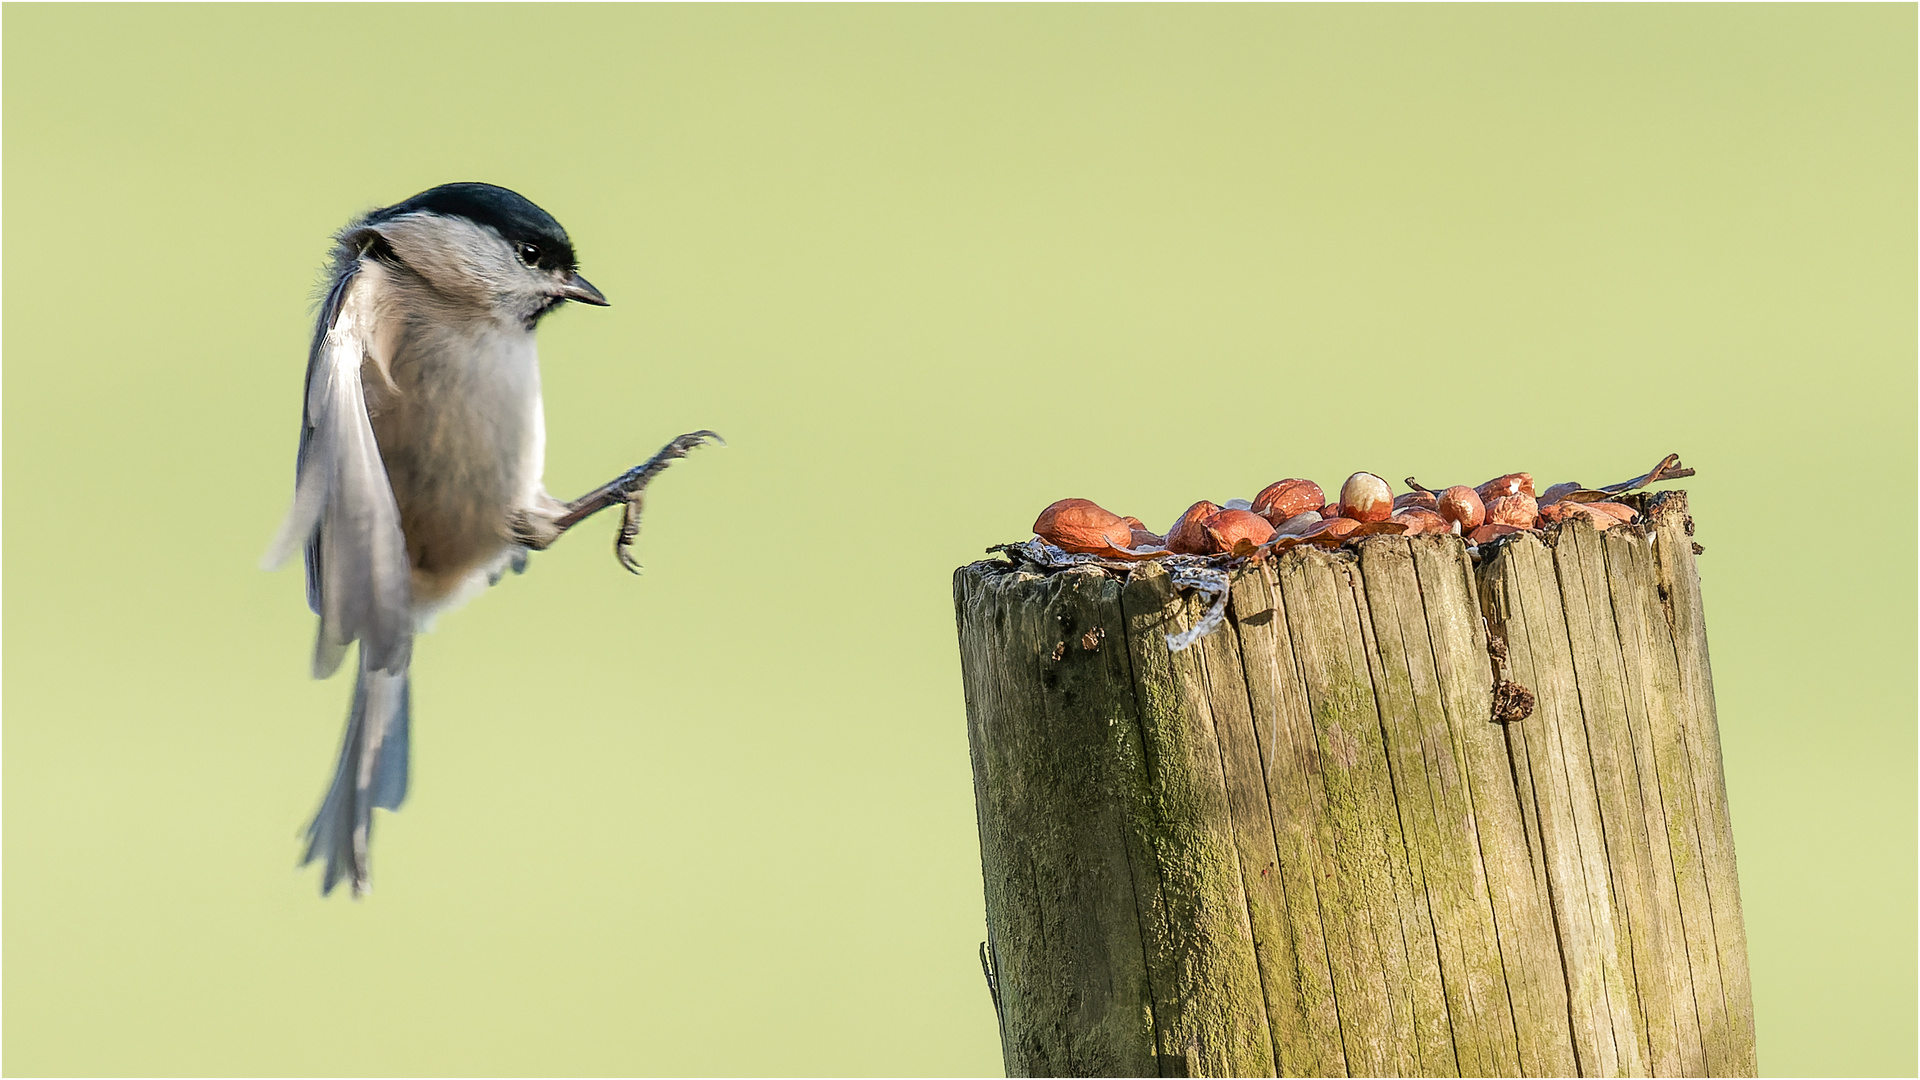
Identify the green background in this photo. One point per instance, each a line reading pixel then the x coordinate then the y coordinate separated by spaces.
pixel 928 269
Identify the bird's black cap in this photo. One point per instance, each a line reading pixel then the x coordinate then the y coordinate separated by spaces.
pixel 506 212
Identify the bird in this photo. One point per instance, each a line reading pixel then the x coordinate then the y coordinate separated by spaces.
pixel 418 476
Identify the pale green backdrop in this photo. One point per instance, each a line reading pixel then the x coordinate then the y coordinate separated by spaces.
pixel 928 269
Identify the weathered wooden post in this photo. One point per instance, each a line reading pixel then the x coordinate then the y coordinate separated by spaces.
pixel 1305 845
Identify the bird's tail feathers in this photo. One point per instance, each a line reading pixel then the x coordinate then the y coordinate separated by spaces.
pixel 372 771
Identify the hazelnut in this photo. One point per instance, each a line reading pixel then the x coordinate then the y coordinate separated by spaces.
pixel 1366 497
pixel 1081 525
pixel 1425 500
pixel 1462 504
pixel 1228 527
pixel 1330 510
pixel 1518 510
pixel 1599 519
pixel 1143 537
pixel 1279 501
pixel 1299 523
pixel 1557 492
pixel 1188 535
pixel 1333 528
pixel 1491 531
pixel 1625 513
pixel 1511 484
pixel 1421 521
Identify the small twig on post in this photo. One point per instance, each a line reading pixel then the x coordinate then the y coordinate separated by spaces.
pixel 1668 469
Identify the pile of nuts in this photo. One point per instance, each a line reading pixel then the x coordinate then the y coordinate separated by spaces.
pixel 1297 511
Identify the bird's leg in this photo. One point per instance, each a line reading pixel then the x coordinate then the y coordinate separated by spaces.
pixel 628 488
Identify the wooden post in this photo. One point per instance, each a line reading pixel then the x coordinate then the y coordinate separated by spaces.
pixel 1305 847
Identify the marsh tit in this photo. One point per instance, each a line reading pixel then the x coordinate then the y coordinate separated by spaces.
pixel 418 480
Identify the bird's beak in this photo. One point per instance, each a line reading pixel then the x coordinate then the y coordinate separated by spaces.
pixel 579 288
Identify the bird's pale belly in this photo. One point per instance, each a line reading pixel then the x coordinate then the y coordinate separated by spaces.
pixel 460 464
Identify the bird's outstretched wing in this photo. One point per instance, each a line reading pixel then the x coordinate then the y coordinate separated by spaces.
pixel 343 507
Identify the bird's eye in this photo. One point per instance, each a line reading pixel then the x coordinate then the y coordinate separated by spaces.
pixel 529 254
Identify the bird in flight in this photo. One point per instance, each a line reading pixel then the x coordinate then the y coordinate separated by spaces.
pixel 418 480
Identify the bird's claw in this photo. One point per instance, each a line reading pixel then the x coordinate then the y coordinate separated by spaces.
pixel 637 477
pixel 631 489
pixel 623 540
